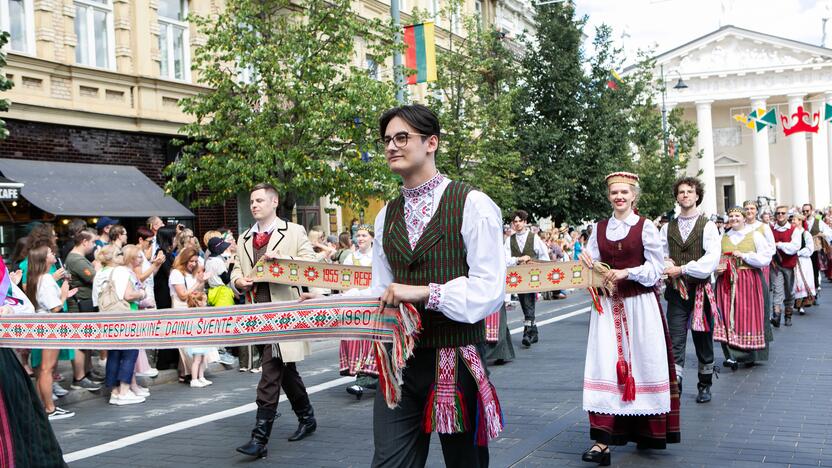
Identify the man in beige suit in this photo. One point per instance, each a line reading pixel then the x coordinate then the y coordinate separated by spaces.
pixel 273 238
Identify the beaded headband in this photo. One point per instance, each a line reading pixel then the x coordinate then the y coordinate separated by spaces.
pixel 622 178
pixel 737 209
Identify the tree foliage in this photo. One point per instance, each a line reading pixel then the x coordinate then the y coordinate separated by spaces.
pixel 288 104
pixel 5 83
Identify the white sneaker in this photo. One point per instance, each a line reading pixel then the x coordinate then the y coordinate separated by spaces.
pixel 196 383
pixel 153 372
pixel 256 370
pixel 129 398
pixel 141 391
pixel 206 381
pixel 59 413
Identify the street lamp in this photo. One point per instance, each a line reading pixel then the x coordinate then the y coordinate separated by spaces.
pixel 679 85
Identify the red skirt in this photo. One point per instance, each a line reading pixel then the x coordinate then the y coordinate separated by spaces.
pixel 746 329
pixel 653 431
pixel 357 357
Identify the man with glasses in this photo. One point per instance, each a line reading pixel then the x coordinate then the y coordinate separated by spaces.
pixel 524 246
pixel 821 233
pixel 438 247
pixel 787 242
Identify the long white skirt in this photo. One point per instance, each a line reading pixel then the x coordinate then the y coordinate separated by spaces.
pixel 602 394
pixel 803 289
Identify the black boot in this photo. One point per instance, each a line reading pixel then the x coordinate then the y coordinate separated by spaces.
pixel 256 447
pixel 775 320
pixel 527 339
pixel 704 387
pixel 789 312
pixel 306 424
pixel 533 334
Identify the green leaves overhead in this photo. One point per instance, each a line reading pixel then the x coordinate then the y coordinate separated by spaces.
pixel 5 83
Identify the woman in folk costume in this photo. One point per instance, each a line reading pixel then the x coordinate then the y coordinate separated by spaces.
pixel 741 324
pixel 804 274
pixel 357 356
pixel 630 388
pixel 26 437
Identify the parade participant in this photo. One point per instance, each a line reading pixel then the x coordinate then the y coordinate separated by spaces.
pixel 822 237
pixel 630 388
pixel 27 437
pixel 272 238
pixel 804 277
pixel 741 325
pixel 356 356
pixel 437 247
pixel 524 246
pixel 787 242
pixel 692 243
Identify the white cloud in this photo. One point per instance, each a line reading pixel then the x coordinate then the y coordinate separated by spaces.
pixel 667 24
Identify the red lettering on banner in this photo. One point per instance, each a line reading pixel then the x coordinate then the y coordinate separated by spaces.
pixel 362 278
pixel 330 275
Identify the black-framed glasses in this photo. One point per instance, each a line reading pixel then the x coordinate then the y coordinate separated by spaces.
pixel 399 140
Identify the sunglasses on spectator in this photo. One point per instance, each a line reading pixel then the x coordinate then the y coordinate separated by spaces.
pixel 780 213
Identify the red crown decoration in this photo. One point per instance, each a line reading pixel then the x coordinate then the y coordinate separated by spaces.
pixel 801 122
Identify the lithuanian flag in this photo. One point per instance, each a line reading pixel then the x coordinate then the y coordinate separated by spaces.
pixel 614 80
pixel 421 52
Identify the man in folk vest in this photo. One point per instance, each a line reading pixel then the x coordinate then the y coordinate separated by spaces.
pixel 787 242
pixel 821 233
pixel 273 238
pixel 692 243
pixel 524 246
pixel 437 247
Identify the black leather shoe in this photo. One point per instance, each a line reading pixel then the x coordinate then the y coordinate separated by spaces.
pixel 596 455
pixel 788 321
pixel 306 425
pixel 734 365
pixel 704 395
pixel 256 447
pixel 775 320
pixel 527 339
pixel 533 334
pixel 356 390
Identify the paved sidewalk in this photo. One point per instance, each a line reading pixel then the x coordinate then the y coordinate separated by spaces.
pixel 776 414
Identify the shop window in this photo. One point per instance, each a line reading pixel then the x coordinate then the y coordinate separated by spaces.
pixel 18 19
pixel 173 40
pixel 94 33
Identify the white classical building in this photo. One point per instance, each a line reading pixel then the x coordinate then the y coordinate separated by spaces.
pixel 732 71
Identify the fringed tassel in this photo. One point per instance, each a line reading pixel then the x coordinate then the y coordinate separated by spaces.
pixel 629 389
pixel 390 367
pixel 449 416
pixel 622 369
pixel 387 383
pixel 596 301
pixel 429 418
pixel 490 420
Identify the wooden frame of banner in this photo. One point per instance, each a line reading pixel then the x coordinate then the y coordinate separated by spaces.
pixel 527 278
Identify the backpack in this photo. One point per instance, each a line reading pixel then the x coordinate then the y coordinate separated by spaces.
pixel 108 299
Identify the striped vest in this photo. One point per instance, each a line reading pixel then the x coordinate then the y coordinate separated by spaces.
pixel 439 257
pixel 691 249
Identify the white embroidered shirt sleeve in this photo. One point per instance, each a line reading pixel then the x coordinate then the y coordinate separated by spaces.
pixel 472 298
pixel 651 271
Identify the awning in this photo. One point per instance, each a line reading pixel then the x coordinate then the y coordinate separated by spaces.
pixel 74 189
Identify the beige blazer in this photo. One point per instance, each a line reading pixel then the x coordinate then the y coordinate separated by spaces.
pixel 289 240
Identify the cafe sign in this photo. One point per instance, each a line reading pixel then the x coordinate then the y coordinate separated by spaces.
pixel 10 192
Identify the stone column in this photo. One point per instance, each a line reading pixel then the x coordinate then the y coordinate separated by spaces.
pixel 705 143
pixel 820 159
pixel 828 142
pixel 762 163
pixel 799 161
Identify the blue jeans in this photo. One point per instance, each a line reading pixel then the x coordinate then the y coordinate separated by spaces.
pixel 120 366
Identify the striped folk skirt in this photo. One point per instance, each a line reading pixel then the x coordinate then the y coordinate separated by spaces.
pixel 742 317
pixel 357 357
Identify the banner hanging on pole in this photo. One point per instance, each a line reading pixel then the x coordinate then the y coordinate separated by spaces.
pixel 421 52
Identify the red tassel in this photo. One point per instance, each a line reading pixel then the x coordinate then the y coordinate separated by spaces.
pixel 430 407
pixel 629 389
pixel 623 371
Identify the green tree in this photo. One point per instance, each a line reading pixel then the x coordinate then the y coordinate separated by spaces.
pixel 288 105
pixel 5 83
pixel 473 94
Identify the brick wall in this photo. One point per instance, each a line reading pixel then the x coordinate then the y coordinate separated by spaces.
pixel 60 143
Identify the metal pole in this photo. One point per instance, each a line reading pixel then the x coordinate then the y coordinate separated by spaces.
pixel 397 56
pixel 664 112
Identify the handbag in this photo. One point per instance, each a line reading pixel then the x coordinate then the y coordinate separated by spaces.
pixel 108 299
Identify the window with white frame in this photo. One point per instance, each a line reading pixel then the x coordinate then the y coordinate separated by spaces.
pixel 456 20
pixel 18 18
pixel 372 68
pixel 434 12
pixel 94 32
pixel 173 40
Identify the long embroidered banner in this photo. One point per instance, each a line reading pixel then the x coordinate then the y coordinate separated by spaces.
pixel 341 318
pixel 530 277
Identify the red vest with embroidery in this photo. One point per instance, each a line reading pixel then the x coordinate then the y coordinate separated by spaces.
pixel 625 253
pixel 786 261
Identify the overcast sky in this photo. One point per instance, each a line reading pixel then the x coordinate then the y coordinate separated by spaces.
pixel 639 24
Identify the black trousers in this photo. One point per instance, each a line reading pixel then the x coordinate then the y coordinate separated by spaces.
pixel 276 375
pixel 816 270
pixel 679 312
pixel 527 301
pixel 399 438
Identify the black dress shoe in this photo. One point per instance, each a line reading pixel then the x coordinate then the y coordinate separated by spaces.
pixel 306 425
pixel 734 365
pixel 596 455
pixel 527 339
pixel 356 390
pixel 704 395
pixel 533 334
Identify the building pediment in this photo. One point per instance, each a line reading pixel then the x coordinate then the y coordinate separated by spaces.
pixel 726 160
pixel 731 50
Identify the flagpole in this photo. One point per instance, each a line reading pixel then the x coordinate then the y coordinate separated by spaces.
pixel 397 56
